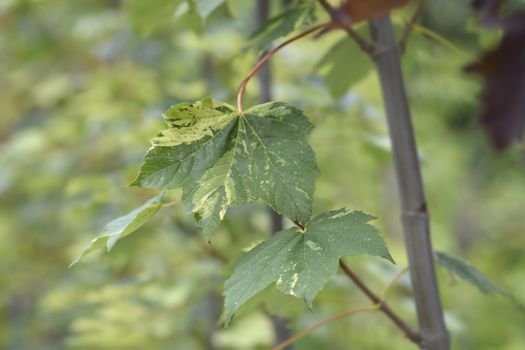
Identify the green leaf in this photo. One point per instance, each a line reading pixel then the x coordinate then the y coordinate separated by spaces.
pixel 343 66
pixel 121 227
pixel 221 157
pixel 301 262
pixel 205 7
pixel 468 273
pixel 282 25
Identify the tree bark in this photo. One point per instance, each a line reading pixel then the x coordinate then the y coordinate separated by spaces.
pixel 414 213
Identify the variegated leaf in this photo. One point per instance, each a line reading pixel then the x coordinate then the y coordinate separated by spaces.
pixel 121 227
pixel 302 261
pixel 221 157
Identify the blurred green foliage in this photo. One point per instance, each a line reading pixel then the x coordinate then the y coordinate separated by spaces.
pixel 83 86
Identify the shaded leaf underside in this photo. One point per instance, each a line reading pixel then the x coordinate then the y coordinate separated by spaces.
pixel 121 227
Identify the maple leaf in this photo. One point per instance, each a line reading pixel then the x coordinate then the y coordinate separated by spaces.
pixel 299 261
pixel 221 157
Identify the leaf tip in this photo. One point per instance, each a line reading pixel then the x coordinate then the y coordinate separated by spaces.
pixel 309 303
pixel 389 257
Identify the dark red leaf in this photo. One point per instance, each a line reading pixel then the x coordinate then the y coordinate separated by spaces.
pixel 503 100
pixel 488 10
pixel 363 10
pixel 359 10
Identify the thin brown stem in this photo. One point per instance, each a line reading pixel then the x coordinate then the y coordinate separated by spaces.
pixel 313 327
pixel 326 6
pixel 410 25
pixel 346 23
pixel 392 283
pixel 301 226
pixel 391 314
pixel 267 57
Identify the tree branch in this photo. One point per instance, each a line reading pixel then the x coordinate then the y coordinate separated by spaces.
pixel 392 282
pixel 346 23
pixel 402 325
pixel 410 25
pixel 379 304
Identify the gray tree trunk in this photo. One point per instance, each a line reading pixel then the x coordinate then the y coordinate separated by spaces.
pixel 414 214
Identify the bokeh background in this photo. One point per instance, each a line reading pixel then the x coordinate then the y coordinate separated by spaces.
pixel 83 85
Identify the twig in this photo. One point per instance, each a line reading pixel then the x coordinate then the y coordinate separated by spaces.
pixel 443 41
pixel 267 57
pixel 313 327
pixel 346 22
pixel 301 226
pixel 410 25
pixel 392 282
pixel 402 325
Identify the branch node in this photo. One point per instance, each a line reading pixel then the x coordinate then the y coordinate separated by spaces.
pixel 346 23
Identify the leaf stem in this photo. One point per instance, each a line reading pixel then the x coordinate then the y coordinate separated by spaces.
pixel 267 57
pixel 397 277
pixel 169 204
pixel 392 283
pixel 414 336
pixel 410 25
pixel 313 327
pixel 379 304
pixel 346 23
pixel 301 226
pixel 443 41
